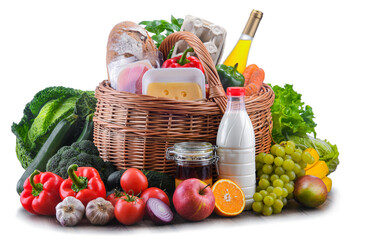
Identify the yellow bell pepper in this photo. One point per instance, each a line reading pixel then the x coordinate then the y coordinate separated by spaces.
pixel 320 170
pixel 314 154
pixel 328 183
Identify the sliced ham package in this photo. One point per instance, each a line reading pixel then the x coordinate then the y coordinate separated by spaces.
pixel 126 74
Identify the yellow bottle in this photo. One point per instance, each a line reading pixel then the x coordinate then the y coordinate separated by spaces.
pixel 240 52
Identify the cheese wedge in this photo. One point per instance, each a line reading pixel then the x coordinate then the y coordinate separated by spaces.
pixel 175 90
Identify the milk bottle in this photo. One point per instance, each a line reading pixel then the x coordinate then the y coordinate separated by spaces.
pixel 236 145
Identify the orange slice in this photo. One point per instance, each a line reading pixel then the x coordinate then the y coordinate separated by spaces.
pixel 229 198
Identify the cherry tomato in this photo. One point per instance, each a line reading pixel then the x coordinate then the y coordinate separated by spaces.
pixel 115 197
pixel 129 210
pixel 133 181
pixel 154 192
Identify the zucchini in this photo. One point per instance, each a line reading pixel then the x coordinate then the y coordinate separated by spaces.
pixel 53 143
pixel 87 131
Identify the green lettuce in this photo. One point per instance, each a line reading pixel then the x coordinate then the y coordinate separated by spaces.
pixel 289 114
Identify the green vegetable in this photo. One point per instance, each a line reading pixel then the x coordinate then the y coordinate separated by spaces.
pixel 84 154
pixel 290 116
pixel 56 139
pixel 113 180
pixel 87 131
pixel 327 152
pixel 162 28
pixel 42 114
pixel 229 76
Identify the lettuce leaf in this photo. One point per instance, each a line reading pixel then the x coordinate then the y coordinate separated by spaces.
pixel 289 114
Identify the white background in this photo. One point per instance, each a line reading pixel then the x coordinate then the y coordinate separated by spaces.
pixel 326 49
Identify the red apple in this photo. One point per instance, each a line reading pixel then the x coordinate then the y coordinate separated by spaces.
pixel 193 200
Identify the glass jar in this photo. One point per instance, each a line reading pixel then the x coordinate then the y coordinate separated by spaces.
pixel 193 160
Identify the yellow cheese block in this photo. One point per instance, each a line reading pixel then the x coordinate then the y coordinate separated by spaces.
pixel 175 90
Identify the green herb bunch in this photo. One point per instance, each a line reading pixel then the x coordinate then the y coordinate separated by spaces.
pixel 162 28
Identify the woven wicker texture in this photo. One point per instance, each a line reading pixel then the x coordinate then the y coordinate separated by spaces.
pixel 133 130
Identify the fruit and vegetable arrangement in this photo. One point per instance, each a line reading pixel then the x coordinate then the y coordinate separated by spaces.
pixel 66 177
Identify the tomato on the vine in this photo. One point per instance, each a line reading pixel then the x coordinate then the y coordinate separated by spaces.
pixel 129 209
pixel 154 192
pixel 133 181
pixel 115 196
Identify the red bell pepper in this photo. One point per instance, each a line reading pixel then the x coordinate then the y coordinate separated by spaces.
pixel 41 193
pixel 84 183
pixel 183 61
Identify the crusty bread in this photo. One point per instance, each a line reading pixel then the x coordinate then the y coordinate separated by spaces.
pixel 129 39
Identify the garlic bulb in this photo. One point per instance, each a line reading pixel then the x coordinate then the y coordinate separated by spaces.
pixel 99 211
pixel 70 211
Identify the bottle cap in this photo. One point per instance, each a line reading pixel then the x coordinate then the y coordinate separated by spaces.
pixel 253 22
pixel 235 91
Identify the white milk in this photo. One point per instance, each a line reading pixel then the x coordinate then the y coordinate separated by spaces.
pixel 236 147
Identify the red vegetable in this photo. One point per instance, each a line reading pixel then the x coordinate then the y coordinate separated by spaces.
pixel 115 196
pixel 184 62
pixel 133 181
pixel 154 192
pixel 41 193
pixel 158 211
pixel 129 209
pixel 85 187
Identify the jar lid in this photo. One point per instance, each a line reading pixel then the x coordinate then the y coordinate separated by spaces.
pixel 193 148
pixel 192 151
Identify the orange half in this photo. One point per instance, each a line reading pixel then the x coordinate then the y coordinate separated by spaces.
pixel 229 198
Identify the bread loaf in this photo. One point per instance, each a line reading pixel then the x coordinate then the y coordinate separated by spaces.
pixel 129 39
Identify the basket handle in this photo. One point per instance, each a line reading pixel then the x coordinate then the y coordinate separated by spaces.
pixel 216 91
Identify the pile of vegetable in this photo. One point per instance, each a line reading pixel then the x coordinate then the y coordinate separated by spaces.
pixel 84 154
pixel 56 117
pixel 41 115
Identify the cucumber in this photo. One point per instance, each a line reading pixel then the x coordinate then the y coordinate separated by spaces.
pixel 87 131
pixel 53 143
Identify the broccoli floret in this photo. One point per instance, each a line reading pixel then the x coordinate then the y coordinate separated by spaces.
pixel 84 154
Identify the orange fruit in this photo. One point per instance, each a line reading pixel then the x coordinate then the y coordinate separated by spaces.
pixel 229 198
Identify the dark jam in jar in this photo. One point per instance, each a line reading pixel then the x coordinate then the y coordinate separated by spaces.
pixel 193 160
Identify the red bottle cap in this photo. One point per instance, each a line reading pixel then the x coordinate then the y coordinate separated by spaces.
pixel 235 91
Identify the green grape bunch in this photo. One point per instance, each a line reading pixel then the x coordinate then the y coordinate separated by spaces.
pixel 276 172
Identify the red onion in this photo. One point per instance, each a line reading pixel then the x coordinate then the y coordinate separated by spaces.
pixel 158 211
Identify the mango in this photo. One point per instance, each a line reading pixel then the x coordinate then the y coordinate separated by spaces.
pixel 310 191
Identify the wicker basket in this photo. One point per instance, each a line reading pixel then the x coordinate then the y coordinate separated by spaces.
pixel 133 130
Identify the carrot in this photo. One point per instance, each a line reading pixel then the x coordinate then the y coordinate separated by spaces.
pixel 255 82
pixel 248 71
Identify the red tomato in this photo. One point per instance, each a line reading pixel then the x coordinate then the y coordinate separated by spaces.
pixel 133 181
pixel 154 192
pixel 115 197
pixel 129 210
